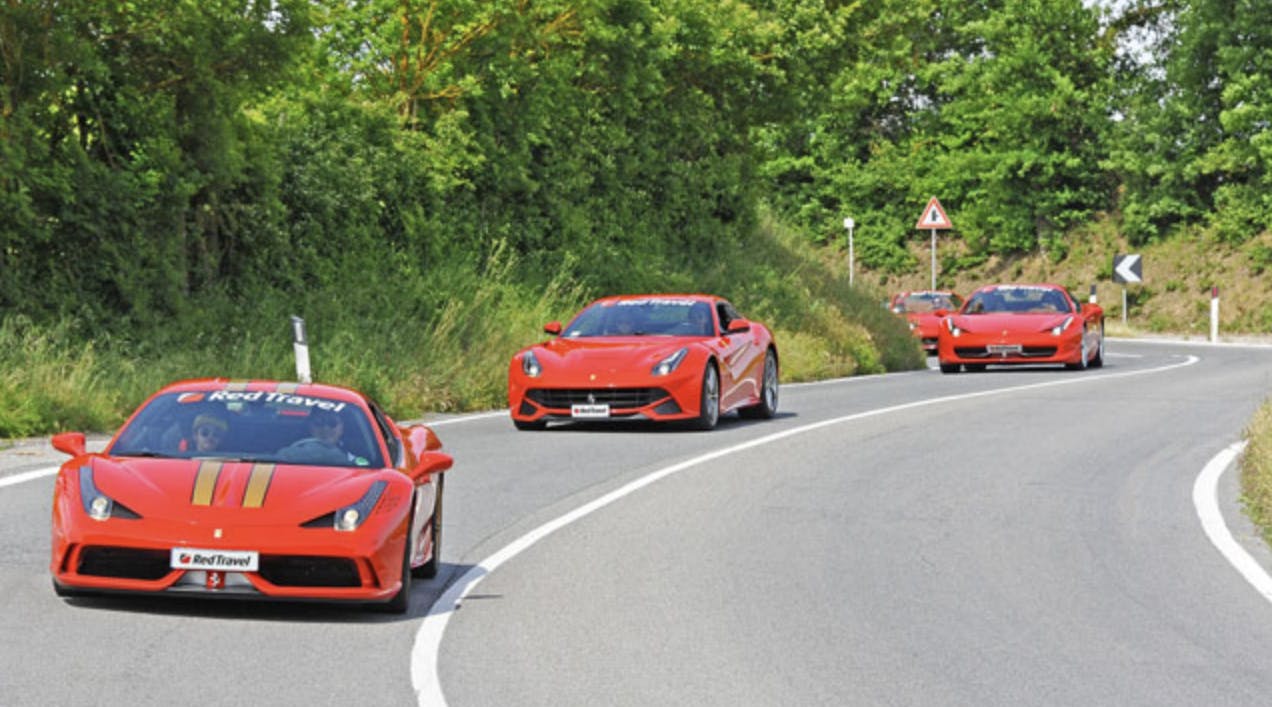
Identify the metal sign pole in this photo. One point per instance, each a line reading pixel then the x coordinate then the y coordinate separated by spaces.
pixel 934 258
pixel 1123 306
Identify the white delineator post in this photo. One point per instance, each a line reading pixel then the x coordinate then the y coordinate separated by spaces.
pixel 1214 314
pixel 849 224
pixel 300 344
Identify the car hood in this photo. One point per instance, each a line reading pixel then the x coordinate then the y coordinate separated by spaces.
pixel 612 350
pixel 619 361
pixel 998 323
pixel 194 489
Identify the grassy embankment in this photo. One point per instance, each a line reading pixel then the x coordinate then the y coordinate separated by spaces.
pixel 56 378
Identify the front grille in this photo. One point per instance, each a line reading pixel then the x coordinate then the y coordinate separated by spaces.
pixel 124 563
pixel 1025 352
pixel 563 398
pixel 306 571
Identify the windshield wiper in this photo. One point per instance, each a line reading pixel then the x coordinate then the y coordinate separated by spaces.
pixel 142 453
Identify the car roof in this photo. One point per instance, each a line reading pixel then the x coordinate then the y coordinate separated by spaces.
pixel 322 390
pixel 699 297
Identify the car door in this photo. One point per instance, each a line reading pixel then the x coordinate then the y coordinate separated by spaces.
pixel 741 360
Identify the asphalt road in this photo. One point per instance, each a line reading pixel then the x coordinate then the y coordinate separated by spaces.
pixel 1007 537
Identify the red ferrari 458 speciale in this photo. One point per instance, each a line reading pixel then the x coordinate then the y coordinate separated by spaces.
pixel 647 357
pixel 251 489
pixel 920 311
pixel 1021 324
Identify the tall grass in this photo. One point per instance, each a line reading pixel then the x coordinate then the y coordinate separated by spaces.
pixel 49 380
pixel 441 341
pixel 1256 470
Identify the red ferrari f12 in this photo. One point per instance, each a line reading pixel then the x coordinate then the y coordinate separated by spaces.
pixel 663 357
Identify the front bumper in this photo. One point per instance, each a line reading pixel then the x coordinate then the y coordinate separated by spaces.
pixel 133 556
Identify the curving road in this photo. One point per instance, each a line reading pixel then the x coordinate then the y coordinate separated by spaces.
pixel 1008 537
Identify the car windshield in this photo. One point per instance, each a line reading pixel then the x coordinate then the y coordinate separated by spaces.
pixel 643 317
pixel 929 302
pixel 1020 299
pixel 251 426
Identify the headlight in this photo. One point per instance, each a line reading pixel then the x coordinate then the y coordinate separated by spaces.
pixel 671 363
pixel 1058 329
pixel 530 364
pixel 98 505
pixel 351 517
pixel 949 326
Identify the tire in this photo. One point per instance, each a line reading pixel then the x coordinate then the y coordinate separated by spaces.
pixel 428 570
pixel 767 407
pixel 1098 361
pixel 68 592
pixel 525 426
pixel 950 367
pixel 1082 357
pixel 402 600
pixel 709 403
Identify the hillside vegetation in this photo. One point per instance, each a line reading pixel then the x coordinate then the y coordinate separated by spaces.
pixel 427 182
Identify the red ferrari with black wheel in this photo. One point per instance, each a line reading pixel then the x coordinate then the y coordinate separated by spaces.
pixel 251 490
pixel 662 357
pixel 920 311
pixel 1021 324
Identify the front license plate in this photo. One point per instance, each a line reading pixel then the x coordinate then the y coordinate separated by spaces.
pixel 1003 349
pixel 190 558
pixel 593 410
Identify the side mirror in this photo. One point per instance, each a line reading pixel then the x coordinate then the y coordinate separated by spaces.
pixel 421 438
pixel 431 463
pixel 71 443
pixel 737 326
pixel 553 328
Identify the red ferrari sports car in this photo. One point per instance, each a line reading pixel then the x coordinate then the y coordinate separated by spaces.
pixel 251 489
pixel 651 357
pixel 920 310
pixel 1014 324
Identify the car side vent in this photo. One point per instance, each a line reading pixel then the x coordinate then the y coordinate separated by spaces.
pixel 323 521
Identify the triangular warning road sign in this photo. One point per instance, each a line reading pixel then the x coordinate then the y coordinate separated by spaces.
pixel 934 217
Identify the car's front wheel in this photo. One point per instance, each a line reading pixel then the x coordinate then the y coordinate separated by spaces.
pixel 428 570
pixel 1081 363
pixel 950 367
pixel 402 600
pixel 524 425
pixel 767 407
pixel 709 403
pixel 1098 361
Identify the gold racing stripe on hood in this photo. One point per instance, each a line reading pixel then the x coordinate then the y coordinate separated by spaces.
pixel 288 388
pixel 257 485
pixel 205 483
pixel 236 386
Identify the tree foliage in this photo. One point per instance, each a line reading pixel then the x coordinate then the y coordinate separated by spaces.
pixel 158 154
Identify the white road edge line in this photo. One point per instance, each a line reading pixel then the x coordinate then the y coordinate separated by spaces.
pixel 1205 499
pixel 428 640
pixel 27 476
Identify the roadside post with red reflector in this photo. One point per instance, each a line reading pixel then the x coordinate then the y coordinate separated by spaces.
pixel 300 345
pixel 1214 314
